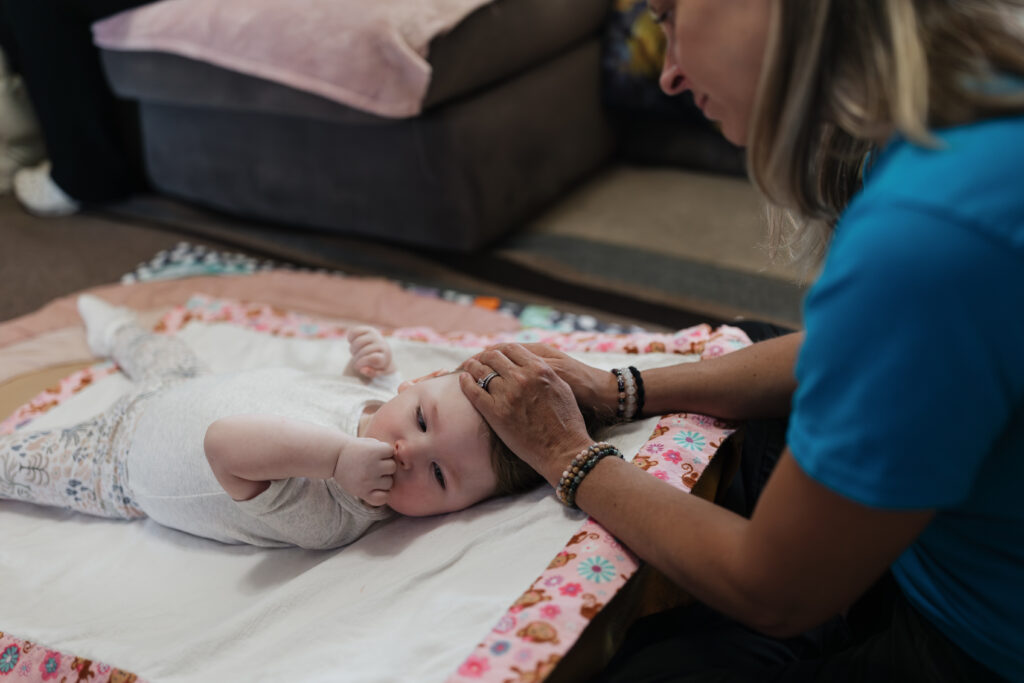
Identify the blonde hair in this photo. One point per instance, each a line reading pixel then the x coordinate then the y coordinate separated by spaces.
pixel 842 76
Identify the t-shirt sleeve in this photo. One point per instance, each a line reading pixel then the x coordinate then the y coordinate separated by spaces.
pixel 312 513
pixel 903 379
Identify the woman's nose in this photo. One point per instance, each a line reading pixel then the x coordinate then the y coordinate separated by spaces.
pixel 672 82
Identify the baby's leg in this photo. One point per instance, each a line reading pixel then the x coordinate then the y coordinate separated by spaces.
pixel 143 356
pixel 73 468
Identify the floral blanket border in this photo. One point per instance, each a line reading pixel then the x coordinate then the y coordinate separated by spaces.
pixel 539 628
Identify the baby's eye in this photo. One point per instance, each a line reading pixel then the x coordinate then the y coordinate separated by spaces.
pixel 420 420
pixel 438 474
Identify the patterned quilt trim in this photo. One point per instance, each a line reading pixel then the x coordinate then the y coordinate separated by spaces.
pixel 190 260
pixel 25 660
pixel 539 628
pixel 55 395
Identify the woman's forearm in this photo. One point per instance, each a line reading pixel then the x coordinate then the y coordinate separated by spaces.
pixel 805 554
pixel 671 530
pixel 757 381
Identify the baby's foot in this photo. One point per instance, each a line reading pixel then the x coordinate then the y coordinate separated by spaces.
pixel 35 189
pixel 102 321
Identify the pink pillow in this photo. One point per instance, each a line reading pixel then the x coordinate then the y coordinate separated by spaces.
pixel 367 55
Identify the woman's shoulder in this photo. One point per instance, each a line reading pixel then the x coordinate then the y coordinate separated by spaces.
pixel 971 174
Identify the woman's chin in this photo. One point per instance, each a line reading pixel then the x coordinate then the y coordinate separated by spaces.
pixel 737 135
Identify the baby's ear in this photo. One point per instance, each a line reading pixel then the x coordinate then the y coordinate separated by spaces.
pixel 409 382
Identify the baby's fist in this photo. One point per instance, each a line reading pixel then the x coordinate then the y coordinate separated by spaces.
pixel 371 355
pixel 366 469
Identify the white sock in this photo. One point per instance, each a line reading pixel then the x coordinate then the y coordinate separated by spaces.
pixel 35 189
pixel 102 321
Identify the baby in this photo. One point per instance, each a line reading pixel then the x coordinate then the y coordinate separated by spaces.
pixel 270 457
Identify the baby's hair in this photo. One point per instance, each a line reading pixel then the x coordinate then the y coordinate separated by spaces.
pixel 513 474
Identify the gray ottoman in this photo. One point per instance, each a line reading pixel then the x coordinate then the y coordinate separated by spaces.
pixel 512 119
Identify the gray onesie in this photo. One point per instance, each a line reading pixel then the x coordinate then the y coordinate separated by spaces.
pixel 144 456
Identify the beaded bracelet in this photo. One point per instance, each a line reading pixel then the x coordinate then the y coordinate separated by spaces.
pixel 626 409
pixel 580 466
pixel 639 391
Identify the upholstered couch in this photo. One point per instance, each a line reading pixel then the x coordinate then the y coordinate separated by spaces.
pixel 513 117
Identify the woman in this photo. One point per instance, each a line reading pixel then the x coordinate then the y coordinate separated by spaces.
pixel 892 133
pixel 90 156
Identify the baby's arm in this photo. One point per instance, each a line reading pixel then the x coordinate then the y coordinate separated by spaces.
pixel 248 452
pixel 371 355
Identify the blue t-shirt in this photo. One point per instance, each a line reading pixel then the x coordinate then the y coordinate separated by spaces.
pixel 911 377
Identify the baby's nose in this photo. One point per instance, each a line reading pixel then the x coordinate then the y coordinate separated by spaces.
pixel 401 457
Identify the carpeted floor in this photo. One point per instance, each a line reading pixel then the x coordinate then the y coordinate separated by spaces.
pixel 662 248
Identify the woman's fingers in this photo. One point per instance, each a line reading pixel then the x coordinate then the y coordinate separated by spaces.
pixel 475 368
pixel 481 399
pixel 495 359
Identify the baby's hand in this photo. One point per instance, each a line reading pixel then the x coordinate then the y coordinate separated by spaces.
pixel 366 469
pixel 371 355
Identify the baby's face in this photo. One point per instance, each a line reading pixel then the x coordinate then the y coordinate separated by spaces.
pixel 442 448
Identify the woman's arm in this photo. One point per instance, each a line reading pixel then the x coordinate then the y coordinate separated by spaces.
pixel 248 452
pixel 805 554
pixel 757 381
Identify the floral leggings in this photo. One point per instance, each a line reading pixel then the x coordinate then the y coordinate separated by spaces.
pixel 83 467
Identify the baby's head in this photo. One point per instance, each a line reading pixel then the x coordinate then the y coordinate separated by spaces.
pixel 448 457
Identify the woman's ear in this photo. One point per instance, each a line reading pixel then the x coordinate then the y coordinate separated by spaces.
pixel 409 382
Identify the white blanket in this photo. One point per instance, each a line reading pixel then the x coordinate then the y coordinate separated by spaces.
pixel 408 602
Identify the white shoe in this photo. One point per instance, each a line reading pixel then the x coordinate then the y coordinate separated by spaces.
pixel 35 189
pixel 21 142
pixel 102 322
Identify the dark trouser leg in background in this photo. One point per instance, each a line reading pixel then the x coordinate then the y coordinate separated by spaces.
pixel 49 42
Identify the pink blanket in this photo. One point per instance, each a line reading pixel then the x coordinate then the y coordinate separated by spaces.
pixel 367 55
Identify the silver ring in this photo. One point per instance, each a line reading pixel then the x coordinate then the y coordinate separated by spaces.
pixel 486 380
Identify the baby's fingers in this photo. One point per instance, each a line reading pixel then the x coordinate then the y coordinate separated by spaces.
pixel 375 360
pixel 377 498
pixel 386 468
pixel 360 331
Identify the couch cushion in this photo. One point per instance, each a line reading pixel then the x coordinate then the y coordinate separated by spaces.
pixel 189 52
pixel 457 177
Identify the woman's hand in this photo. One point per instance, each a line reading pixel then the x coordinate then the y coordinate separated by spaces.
pixel 366 469
pixel 595 389
pixel 528 405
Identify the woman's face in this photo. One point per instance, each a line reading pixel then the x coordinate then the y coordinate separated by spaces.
pixel 715 49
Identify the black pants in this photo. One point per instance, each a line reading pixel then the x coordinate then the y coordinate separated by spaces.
pixel 881 638
pixel 49 42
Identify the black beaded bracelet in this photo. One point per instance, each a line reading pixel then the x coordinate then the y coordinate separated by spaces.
pixel 620 379
pixel 639 391
pixel 581 465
